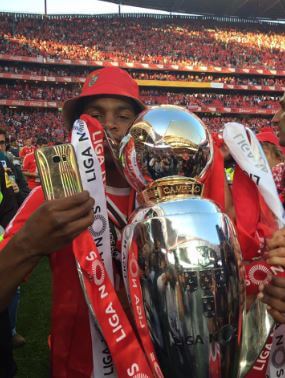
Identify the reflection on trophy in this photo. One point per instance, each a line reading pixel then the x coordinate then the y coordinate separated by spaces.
pixel 181 257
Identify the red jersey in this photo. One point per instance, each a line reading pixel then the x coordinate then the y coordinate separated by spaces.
pixel 29 165
pixel 26 150
pixel 71 346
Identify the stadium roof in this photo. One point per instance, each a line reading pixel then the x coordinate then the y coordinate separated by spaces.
pixel 272 9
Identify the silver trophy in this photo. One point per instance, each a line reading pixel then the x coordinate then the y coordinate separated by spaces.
pixel 189 261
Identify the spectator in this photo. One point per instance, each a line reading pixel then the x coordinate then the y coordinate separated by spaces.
pixel 8 208
pixel 27 149
pixel 30 166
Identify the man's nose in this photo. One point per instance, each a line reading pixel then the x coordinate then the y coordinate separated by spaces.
pixel 109 121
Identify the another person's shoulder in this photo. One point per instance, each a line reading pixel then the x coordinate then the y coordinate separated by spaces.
pixel 22 151
pixel 35 198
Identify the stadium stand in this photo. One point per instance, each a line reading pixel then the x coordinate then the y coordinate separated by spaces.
pixel 223 71
pixel 165 40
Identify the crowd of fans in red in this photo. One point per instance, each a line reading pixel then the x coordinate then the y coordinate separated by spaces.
pixel 73 71
pixel 48 123
pixel 33 123
pixel 165 40
pixel 52 92
pixel 210 99
pixel 42 91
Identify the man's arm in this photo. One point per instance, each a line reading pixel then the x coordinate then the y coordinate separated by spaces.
pixel 53 225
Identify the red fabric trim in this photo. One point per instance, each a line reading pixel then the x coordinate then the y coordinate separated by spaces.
pixel 214 180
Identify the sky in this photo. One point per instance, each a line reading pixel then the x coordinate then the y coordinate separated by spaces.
pixel 68 6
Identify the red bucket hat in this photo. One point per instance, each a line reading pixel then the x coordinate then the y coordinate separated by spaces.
pixel 268 136
pixel 106 81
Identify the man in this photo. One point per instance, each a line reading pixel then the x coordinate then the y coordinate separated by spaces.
pixel 13 147
pixel 30 166
pixel 27 149
pixel 8 208
pixel 13 170
pixel 111 96
pixel 14 179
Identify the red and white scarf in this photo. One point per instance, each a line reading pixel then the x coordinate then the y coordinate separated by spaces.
pixel 110 328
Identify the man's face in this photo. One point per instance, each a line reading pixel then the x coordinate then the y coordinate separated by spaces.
pixel 115 114
pixel 279 118
pixel 2 143
pixel 28 142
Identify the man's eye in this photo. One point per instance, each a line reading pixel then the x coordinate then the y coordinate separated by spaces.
pixel 125 117
pixel 96 115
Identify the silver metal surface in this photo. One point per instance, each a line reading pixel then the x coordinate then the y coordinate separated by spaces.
pixel 165 141
pixel 192 289
pixel 191 274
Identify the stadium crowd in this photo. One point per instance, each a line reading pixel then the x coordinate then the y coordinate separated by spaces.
pixel 74 71
pixel 165 40
pixel 209 99
pixel 33 123
pixel 48 123
pixel 31 91
pixel 51 92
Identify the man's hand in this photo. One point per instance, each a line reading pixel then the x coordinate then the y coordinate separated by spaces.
pixel 273 294
pixel 276 248
pixel 56 223
pixel 53 225
pixel 15 187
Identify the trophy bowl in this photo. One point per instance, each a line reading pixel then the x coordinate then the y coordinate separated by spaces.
pixel 165 141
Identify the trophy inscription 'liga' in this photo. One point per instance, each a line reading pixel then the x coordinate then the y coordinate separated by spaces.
pixel 182 254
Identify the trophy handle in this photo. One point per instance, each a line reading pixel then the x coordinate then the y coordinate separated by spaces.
pixel 114 147
pixel 257 326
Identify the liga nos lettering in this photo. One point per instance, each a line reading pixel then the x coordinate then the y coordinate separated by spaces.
pixel 110 328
